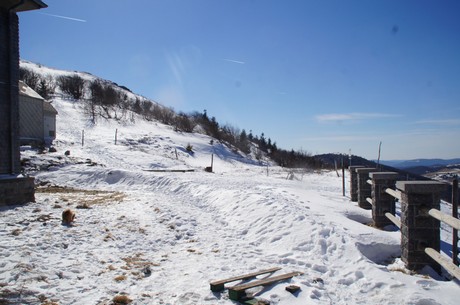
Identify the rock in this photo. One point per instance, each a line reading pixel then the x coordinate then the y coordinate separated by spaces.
pixel 292 288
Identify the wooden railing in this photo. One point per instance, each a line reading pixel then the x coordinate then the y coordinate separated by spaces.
pixel 420 215
pixel 451 267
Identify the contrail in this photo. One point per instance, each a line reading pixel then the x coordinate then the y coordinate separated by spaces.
pixel 234 61
pixel 64 17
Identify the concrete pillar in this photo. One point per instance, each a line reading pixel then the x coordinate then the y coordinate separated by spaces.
pixel 381 201
pixel 9 93
pixel 418 229
pixel 15 191
pixel 13 188
pixel 364 188
pixel 354 182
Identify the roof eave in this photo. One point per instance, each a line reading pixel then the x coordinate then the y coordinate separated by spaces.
pixel 29 5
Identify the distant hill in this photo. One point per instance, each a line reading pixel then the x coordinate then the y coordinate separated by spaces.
pixel 442 173
pixel 440 169
pixel 330 160
pixel 421 163
pixel 105 100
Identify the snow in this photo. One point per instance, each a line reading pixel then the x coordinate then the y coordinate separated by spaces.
pixel 27 91
pixel 161 237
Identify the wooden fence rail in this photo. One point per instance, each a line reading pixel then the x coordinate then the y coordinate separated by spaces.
pixel 394 219
pixel 393 193
pixel 451 221
pixel 440 259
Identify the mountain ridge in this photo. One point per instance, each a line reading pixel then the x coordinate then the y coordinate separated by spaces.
pixel 427 162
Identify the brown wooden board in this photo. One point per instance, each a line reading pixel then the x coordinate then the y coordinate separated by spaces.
pixel 237 292
pixel 219 285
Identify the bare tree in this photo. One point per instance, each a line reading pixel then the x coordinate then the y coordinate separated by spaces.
pixel 30 78
pixel 72 85
pixel 46 87
pixel 182 122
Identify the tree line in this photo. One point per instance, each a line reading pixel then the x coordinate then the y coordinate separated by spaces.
pixel 104 99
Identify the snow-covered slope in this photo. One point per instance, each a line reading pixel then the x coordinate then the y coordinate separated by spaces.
pixel 160 237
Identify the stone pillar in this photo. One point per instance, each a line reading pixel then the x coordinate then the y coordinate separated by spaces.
pixel 354 182
pixel 381 201
pixel 418 229
pixel 364 188
pixel 15 191
pixel 9 93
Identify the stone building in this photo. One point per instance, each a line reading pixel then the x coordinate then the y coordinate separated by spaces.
pixel 13 189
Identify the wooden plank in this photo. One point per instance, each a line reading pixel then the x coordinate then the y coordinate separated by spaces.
pixel 237 292
pixel 219 284
pixel 369 200
pixel 451 221
pixel 394 219
pixel 396 194
pixel 449 266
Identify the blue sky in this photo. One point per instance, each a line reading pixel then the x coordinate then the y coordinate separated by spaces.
pixel 321 76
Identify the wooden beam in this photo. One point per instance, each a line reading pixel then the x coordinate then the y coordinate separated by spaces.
pixel 450 267
pixel 218 285
pixel 394 219
pixel 235 293
pixel 20 6
pixel 369 200
pixel 451 221
pixel 396 194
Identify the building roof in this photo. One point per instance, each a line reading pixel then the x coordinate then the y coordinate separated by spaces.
pixel 27 91
pixel 23 5
pixel 47 107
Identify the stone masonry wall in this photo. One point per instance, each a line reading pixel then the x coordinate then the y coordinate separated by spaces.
pixel 354 182
pixel 9 93
pixel 382 202
pixel 17 191
pixel 418 229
